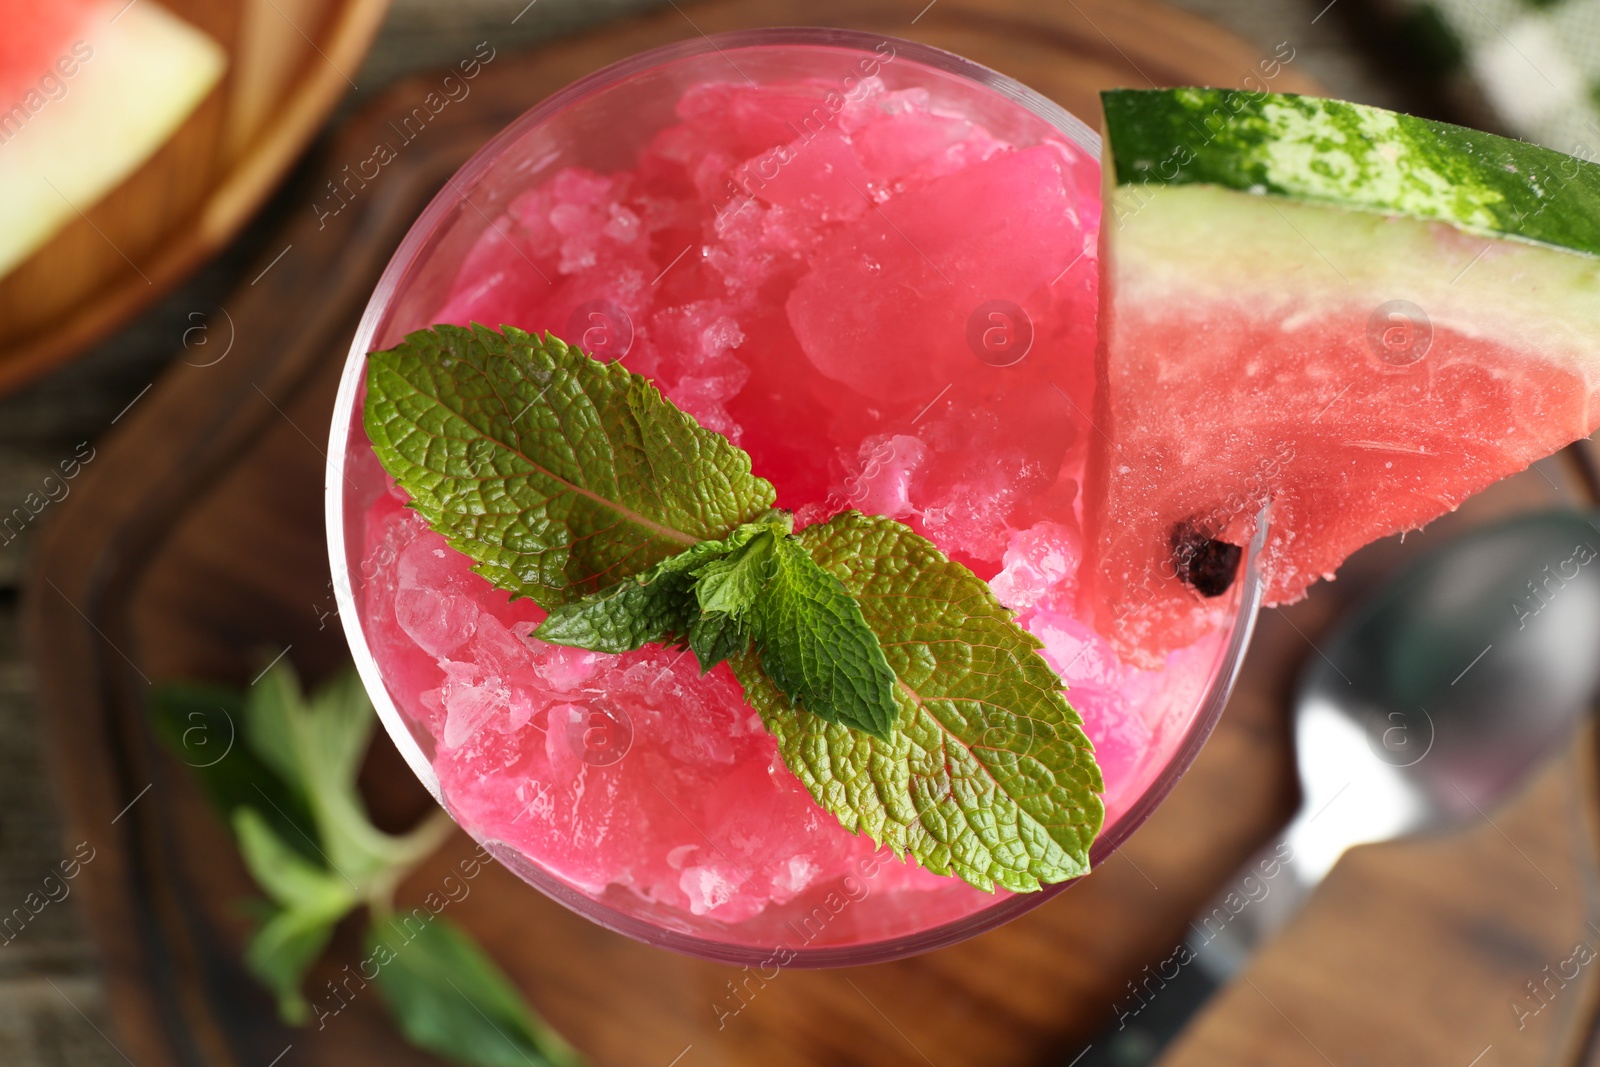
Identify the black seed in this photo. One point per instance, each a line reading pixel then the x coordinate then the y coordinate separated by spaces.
pixel 1204 564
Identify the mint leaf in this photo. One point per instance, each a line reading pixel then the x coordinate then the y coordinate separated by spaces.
pixel 316 747
pixel 716 636
pixel 817 647
pixel 299 757
pixel 988 774
pixel 652 606
pixel 308 743
pixel 288 878
pixel 281 952
pixel 727 588
pixel 557 474
pixel 447 996
pixel 698 596
pixel 900 691
pixel 309 901
pixel 731 583
pixel 203 726
pixel 757 584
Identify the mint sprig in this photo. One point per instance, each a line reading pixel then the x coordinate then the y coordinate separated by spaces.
pixel 281 769
pixel 901 693
pixel 757 588
pixel 446 995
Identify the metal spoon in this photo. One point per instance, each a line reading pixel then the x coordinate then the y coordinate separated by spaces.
pixel 1425 709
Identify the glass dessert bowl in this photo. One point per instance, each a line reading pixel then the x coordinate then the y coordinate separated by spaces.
pixel 870 264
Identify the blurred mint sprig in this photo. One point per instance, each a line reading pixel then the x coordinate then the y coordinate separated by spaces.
pixel 281 769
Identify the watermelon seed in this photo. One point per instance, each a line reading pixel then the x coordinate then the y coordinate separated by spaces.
pixel 1204 564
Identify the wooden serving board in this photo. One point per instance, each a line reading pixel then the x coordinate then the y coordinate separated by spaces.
pixel 289 63
pixel 193 546
pixel 1475 948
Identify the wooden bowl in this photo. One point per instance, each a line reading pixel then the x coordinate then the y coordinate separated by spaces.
pixel 289 63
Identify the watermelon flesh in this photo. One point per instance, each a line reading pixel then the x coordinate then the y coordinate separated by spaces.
pixel 37 36
pixel 89 90
pixel 1357 371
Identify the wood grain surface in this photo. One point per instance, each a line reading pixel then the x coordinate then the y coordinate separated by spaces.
pixel 193 548
pixel 289 63
pixel 1477 947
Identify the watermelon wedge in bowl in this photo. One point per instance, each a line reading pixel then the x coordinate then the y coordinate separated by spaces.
pixel 89 90
pixel 1357 317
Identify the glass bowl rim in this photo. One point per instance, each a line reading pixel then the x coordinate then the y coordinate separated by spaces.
pixel 405 257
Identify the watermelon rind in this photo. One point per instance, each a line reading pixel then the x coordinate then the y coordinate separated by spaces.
pixel 1354 157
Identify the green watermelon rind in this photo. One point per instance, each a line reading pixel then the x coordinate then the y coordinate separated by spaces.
pixel 1355 157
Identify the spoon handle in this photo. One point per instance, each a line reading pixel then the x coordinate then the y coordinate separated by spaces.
pixel 1258 901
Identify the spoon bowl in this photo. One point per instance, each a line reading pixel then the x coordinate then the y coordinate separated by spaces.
pixel 1432 703
pixel 1458 680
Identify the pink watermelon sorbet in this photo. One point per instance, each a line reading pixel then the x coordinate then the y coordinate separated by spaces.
pixel 891 306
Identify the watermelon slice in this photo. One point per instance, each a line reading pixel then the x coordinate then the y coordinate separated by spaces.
pixel 1356 316
pixel 89 89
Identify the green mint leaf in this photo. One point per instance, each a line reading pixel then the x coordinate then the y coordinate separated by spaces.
pixel 989 774
pixel 817 647
pixel 698 596
pixel 900 691
pixel 447 996
pixel 558 475
pixel 727 588
pixel 307 742
pixel 309 901
pixel 203 726
pixel 716 636
pixel 732 583
pixel 288 878
pixel 316 747
pixel 651 606
pixel 281 952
